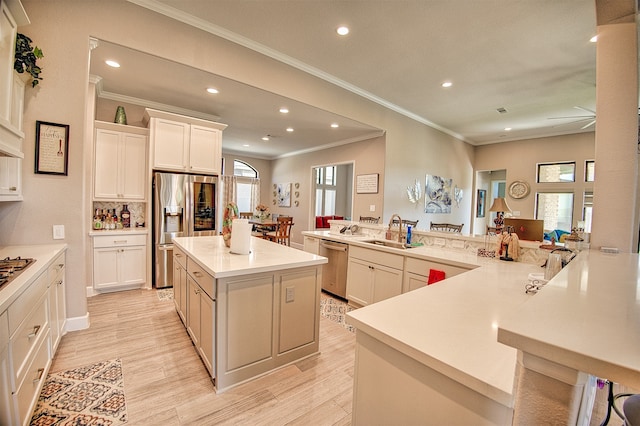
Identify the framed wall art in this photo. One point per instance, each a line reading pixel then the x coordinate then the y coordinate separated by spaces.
pixel 52 148
pixel 367 184
pixel 480 202
pixel 284 194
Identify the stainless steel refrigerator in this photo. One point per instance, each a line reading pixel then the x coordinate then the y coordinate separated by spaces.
pixel 183 206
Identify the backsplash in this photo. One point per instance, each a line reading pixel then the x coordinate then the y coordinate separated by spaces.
pixel 137 210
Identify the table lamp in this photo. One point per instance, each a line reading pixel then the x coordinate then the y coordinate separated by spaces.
pixel 500 206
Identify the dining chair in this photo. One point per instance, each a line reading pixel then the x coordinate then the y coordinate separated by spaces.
pixel 446 227
pixel 282 234
pixel 369 219
pixel 405 223
pixel 245 215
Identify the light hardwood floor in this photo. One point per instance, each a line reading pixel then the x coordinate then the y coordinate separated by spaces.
pixel 167 384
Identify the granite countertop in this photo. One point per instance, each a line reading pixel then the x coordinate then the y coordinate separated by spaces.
pixel 265 256
pixel 43 255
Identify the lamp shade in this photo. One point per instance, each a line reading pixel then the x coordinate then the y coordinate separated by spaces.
pixel 499 205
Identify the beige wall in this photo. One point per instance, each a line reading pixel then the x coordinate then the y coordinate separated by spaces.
pixel 520 160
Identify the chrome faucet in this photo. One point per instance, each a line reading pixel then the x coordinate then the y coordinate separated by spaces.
pixel 399 226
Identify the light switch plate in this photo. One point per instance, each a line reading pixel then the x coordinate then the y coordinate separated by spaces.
pixel 290 294
pixel 372 208
pixel 58 232
pixel 439 242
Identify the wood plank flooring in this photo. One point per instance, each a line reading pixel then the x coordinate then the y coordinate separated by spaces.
pixel 167 384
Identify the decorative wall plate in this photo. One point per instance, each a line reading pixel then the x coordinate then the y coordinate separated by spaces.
pixel 297 185
pixel 519 189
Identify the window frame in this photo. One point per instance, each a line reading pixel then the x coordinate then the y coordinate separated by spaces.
pixel 557 163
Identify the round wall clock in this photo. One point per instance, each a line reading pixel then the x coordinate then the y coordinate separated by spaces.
pixel 519 189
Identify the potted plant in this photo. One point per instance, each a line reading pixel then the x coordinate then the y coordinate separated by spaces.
pixel 26 57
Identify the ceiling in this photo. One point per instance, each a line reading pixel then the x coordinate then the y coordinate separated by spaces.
pixel 532 58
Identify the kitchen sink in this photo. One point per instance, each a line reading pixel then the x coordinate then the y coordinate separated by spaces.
pixel 387 243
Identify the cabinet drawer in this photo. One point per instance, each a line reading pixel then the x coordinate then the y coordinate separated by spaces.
pixel 202 277
pixel 180 256
pixel 422 267
pixel 29 390
pixel 394 261
pixel 19 309
pixel 27 336
pixel 56 268
pixel 119 240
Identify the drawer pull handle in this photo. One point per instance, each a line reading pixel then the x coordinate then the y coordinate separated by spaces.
pixel 119 241
pixel 196 291
pixel 33 334
pixel 177 255
pixel 13 188
pixel 60 266
pixel 59 282
pixel 197 274
pixel 39 376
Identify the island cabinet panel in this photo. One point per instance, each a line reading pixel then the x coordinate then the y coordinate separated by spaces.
pixel 372 276
pixel 299 303
pixel 180 283
pixel 416 272
pixel 200 318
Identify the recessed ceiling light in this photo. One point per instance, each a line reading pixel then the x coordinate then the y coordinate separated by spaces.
pixel 284 110
pixel 507 129
pixel 113 64
pixel 212 90
pixel 447 84
pixel 335 125
pixel 289 129
pixel 593 39
pixel 342 30
pixel 265 138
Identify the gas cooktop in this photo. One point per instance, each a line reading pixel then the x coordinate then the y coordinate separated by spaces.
pixel 10 268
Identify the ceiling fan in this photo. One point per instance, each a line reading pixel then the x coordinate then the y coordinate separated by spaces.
pixel 591 118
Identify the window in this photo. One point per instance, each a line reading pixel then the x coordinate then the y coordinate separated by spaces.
pixel 326 190
pixel 240 168
pixel 557 172
pixel 245 186
pixel 590 171
pixel 556 209
pixel 587 212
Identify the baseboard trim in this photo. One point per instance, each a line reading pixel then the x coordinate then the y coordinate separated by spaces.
pixel 78 323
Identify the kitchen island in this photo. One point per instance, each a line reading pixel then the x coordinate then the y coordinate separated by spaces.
pixel 247 314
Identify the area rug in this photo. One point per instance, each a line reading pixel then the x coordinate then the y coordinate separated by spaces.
pixel 90 395
pixel 335 310
pixel 165 294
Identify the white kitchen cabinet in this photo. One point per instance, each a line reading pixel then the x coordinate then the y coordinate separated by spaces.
pixel 10 179
pixel 416 272
pixel 12 15
pixel 6 402
pixel 373 275
pixel 311 245
pixel 201 313
pixel 119 261
pixel 180 283
pixel 57 304
pixel 184 144
pixel 120 162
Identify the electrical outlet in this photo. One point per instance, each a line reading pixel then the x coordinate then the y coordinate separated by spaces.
pixel 290 294
pixel 58 232
pixel 372 208
pixel 439 242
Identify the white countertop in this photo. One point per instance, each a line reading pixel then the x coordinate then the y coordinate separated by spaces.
pixel 125 231
pixel 265 256
pixel 587 318
pixel 43 255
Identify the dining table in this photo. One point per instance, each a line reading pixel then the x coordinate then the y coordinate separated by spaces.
pixel 262 226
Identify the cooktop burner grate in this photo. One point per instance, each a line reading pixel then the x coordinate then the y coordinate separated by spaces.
pixel 10 268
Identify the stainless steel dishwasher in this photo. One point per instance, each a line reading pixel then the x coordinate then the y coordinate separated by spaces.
pixel 334 273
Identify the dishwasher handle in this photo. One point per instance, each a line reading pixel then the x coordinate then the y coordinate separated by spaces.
pixel 336 247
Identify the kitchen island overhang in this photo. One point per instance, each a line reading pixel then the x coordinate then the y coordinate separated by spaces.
pixel 248 314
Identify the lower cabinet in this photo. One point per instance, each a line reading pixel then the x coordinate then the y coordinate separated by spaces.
pixel 119 261
pixel 57 303
pixel 416 272
pixel 311 245
pixel 6 400
pixel 180 286
pixel 200 313
pixel 373 275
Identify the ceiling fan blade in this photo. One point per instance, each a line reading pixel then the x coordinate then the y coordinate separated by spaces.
pixel 585 109
pixel 591 123
pixel 583 117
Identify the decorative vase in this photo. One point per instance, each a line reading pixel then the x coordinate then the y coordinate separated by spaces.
pixel 230 212
pixel 121 116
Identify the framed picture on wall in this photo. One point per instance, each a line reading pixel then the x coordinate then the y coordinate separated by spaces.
pixel 480 202
pixel 52 148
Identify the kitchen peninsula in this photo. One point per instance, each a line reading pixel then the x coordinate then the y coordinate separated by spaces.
pixel 247 314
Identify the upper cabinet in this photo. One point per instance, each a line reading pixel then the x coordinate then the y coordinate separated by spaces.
pixel 120 162
pixel 12 15
pixel 184 144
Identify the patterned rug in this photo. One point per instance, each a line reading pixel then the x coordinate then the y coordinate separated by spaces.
pixel 335 310
pixel 90 395
pixel 165 294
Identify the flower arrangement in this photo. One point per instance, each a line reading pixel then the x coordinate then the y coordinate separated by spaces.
pixel 263 211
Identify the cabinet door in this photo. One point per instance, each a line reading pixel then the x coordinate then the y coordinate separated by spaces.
pixel 413 281
pixel 387 282
pixel 180 289
pixel 6 397
pixel 105 267
pixel 170 145
pixel 359 282
pixel 132 265
pixel 311 245
pixel 10 179
pixel 193 310
pixel 133 166
pixel 205 154
pixel 106 164
pixel 207 330
pixel 8 29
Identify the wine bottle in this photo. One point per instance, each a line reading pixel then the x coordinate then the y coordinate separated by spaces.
pixel 125 216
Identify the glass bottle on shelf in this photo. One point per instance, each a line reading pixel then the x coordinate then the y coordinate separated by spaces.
pixel 125 216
